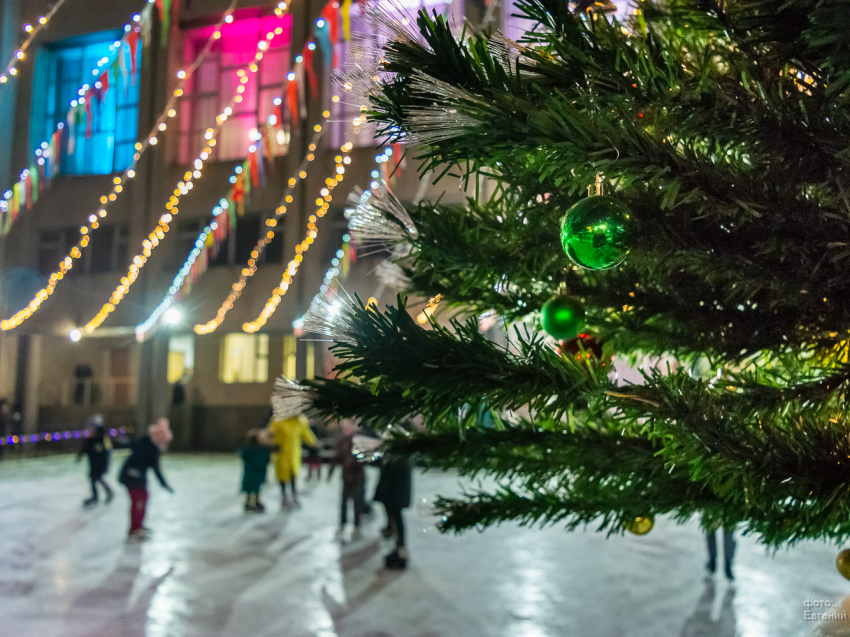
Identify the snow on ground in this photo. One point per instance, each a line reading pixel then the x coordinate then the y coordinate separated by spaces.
pixel 212 571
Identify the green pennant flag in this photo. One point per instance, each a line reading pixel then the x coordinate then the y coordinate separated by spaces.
pixel 231 213
pixel 34 179
pixel 246 174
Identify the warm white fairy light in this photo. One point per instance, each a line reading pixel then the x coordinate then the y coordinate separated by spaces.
pixel 32 32
pixel 156 235
pixel 259 248
pixel 300 250
pixel 119 185
pixel 167 302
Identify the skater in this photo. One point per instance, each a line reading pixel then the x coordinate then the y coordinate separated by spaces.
pixel 287 434
pixel 352 479
pixel 393 491
pixel 97 447
pixel 314 463
pixel 144 455
pixel 255 454
pixel 728 550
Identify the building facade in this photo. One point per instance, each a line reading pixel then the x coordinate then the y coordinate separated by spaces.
pixel 78 112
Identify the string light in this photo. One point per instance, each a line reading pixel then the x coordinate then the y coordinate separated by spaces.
pixel 301 249
pixel 176 285
pixel 32 32
pixel 54 436
pixel 182 188
pixel 236 289
pixel 43 153
pixel 119 184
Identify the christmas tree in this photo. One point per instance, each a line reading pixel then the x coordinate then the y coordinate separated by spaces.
pixel 721 134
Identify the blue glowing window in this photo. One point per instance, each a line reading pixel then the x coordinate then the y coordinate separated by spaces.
pixel 105 144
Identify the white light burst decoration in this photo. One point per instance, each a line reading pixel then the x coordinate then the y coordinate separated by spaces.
pixel 290 399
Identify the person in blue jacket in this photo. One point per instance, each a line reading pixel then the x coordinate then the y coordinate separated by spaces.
pixel 144 454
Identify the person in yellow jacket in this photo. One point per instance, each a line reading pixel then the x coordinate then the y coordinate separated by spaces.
pixel 288 434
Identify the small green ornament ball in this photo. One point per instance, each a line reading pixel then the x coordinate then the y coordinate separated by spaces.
pixel 597 233
pixel 562 317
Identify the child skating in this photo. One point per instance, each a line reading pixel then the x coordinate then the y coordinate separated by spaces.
pixel 97 447
pixel 255 454
pixel 144 454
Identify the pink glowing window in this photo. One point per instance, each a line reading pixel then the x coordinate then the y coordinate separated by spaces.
pixel 216 80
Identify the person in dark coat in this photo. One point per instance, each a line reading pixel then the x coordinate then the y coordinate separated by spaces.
pixel 394 492
pixel 353 476
pixel 256 454
pixel 97 447
pixel 144 455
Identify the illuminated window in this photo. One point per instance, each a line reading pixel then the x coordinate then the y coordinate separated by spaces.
pixel 181 357
pixel 290 358
pixel 310 372
pixel 345 113
pixel 106 145
pixel 216 81
pixel 244 358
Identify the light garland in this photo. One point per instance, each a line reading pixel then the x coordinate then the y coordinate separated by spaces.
pixel 182 188
pixel 236 289
pixel 142 329
pixel 54 436
pixel 119 181
pixel 47 152
pixel 32 32
pixel 177 284
pixel 323 204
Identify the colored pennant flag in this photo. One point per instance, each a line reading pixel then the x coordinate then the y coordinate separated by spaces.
pixel 164 7
pixel 104 84
pixel 133 44
pixel 345 10
pixel 311 73
pixel 323 37
pixel 331 15
pixel 292 103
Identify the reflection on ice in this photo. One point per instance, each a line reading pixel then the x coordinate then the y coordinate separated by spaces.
pixel 212 571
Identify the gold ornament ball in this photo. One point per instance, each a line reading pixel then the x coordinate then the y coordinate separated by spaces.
pixel 842 563
pixel 641 526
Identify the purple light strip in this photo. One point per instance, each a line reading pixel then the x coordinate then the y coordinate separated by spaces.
pixel 54 436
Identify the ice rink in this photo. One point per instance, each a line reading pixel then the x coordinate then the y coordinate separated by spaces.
pixel 210 570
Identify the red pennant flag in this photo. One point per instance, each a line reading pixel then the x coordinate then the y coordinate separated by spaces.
pixel 89 97
pixel 292 102
pixel 254 168
pixel 133 42
pixel 311 74
pixel 104 84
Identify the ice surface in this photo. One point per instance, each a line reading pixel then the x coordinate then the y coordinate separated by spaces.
pixel 211 570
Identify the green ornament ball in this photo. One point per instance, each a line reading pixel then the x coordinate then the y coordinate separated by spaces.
pixel 562 317
pixel 597 233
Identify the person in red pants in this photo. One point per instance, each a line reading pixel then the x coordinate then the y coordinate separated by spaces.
pixel 144 455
